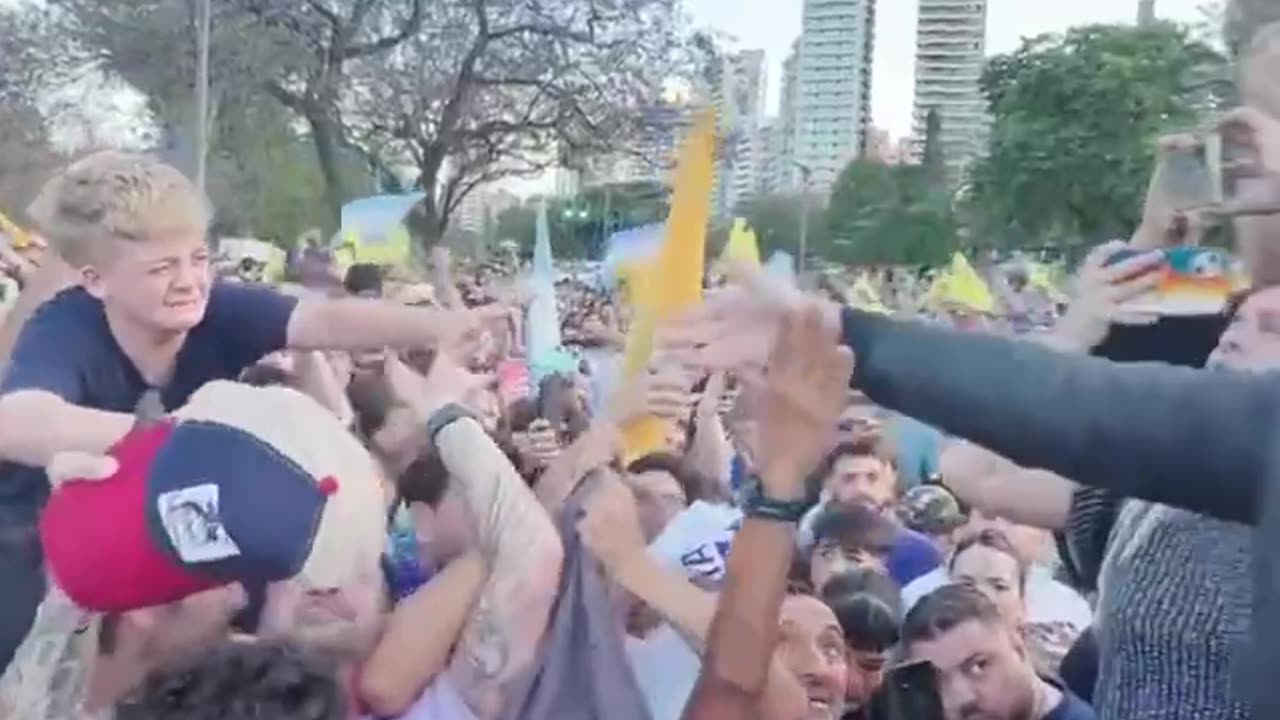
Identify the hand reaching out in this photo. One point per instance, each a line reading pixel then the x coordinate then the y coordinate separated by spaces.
pixel 544 443
pixel 21 265
pixel 611 526
pixel 447 383
pixel 735 328
pixel 664 394
pixel 803 394
pixel 80 467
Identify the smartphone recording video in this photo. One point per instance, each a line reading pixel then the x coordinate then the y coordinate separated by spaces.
pixel 1190 177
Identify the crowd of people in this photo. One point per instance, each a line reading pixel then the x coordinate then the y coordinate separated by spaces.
pixel 361 498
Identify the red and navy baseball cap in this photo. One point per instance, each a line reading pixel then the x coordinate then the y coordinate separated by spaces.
pixel 243 484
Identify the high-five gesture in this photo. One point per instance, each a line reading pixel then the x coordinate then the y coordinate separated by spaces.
pixel 735 328
pixel 805 389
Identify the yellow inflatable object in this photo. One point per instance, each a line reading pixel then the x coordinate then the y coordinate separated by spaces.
pixel 674 280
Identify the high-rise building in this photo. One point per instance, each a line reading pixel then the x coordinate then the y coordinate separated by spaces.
pixel 739 97
pixel 950 53
pixel 881 147
pixel 650 154
pixel 833 89
pixel 1146 12
pixel 770 156
pixel 785 176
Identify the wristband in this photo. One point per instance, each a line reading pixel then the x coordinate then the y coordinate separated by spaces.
pixel 762 507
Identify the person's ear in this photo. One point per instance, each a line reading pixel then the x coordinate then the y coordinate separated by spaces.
pixel 1017 642
pixel 92 281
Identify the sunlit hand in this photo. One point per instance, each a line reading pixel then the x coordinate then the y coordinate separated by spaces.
pixel 611 527
pixel 80 467
pixel 1254 166
pixel 1169 219
pixel 22 264
pixel 664 394
pixel 804 392
pixel 1101 293
pixel 735 328
pixel 448 383
pixel 544 443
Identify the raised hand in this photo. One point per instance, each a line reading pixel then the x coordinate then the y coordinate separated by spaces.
pixel 611 526
pixel 544 443
pixel 1251 141
pixel 1101 292
pixel 447 383
pixel 735 328
pixel 803 394
pixel 663 394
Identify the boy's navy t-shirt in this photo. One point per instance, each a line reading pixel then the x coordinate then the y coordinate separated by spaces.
pixel 67 349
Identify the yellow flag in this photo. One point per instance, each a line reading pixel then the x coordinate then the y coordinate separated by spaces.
pixel 18 237
pixel 742 245
pixel 674 279
pixel 960 287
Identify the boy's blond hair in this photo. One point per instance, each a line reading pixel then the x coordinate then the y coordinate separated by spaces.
pixel 112 195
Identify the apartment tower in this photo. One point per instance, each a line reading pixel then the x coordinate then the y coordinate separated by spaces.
pixel 950 53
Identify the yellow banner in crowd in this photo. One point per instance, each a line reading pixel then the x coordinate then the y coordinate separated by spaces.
pixel 959 287
pixel 674 279
pixel 18 237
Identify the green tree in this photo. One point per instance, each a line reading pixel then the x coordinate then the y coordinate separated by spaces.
pixel 935 160
pixel 776 221
pixel 891 215
pixel 1075 118
pixel 26 155
pixel 581 224
pixel 1244 17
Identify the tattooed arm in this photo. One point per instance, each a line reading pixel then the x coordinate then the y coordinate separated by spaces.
pixel 524 555
pixel 49 676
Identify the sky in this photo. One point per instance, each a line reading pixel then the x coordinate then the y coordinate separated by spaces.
pixel 772 25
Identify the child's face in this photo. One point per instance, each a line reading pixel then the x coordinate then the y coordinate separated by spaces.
pixel 160 283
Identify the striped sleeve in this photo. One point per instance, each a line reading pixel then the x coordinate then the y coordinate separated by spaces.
pixel 1082 544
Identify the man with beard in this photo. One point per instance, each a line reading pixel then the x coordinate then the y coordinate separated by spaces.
pixel 984 670
pixel 863 472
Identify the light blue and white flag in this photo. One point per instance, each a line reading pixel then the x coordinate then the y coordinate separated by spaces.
pixel 542 326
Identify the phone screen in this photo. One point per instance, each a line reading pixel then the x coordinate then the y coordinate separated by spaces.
pixel 1187 180
pixel 909 692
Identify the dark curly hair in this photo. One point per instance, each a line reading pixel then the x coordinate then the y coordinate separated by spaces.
pixel 241 681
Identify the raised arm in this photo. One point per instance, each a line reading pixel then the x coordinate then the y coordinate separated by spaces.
pixel 420 636
pixel 1188 438
pixel 523 552
pixel 611 530
pixel 361 324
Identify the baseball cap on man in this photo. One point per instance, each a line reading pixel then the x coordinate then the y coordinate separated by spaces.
pixel 931 509
pixel 243 484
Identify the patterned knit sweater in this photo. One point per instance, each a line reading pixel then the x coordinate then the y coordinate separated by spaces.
pixel 1173 616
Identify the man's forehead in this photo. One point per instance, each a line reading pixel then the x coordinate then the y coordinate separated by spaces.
pixel 950 649
pixel 809 613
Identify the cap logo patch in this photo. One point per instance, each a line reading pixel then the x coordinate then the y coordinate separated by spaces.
pixel 193 522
